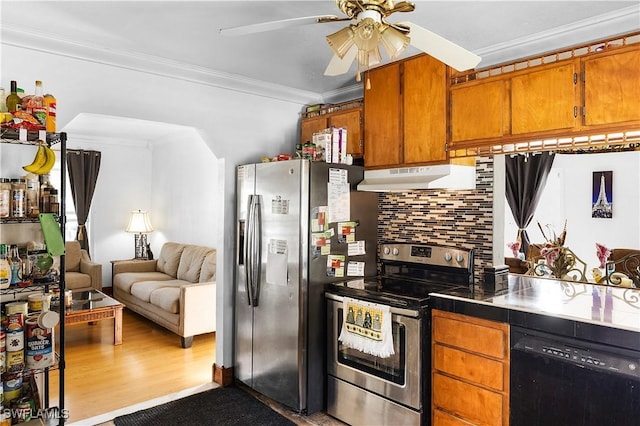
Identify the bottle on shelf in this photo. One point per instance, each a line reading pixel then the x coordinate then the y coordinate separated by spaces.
pixel 51 105
pixel 32 194
pixel 36 105
pixel 18 198
pixel 15 263
pixel 13 101
pixel 5 268
pixel 45 193
pixel 54 204
pixel 5 197
pixel 3 100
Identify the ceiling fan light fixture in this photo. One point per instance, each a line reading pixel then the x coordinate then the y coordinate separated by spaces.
pixel 341 41
pixel 367 34
pixel 395 42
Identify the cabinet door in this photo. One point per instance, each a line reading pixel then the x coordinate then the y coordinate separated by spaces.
pixel 352 121
pixel 424 95
pixel 612 88
pixel 473 403
pixel 478 110
pixel 382 139
pixel 309 126
pixel 544 100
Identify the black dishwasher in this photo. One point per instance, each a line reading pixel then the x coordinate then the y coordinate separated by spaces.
pixel 557 380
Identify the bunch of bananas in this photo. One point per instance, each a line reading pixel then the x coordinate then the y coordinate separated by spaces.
pixel 43 161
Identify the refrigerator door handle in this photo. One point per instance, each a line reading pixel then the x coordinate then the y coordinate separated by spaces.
pixel 248 250
pixel 257 248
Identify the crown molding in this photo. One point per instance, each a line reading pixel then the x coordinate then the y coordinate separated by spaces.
pixel 602 26
pixel 33 40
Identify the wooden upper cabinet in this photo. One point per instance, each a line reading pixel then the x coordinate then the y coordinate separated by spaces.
pixel 544 100
pixel 349 118
pixel 352 121
pixel 612 88
pixel 424 97
pixel 382 138
pixel 530 99
pixel 478 110
pixel 405 113
pixel 309 126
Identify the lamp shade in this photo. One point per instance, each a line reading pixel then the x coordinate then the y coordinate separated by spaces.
pixel 139 222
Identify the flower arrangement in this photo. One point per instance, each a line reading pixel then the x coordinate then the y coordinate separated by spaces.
pixel 603 254
pixel 559 259
pixel 515 248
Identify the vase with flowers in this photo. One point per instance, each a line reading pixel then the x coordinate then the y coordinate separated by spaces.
pixel 559 260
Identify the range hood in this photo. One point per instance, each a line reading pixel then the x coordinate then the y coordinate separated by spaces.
pixel 445 176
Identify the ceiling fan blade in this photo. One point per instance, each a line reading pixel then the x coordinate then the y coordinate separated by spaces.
pixel 441 48
pixel 339 66
pixel 278 25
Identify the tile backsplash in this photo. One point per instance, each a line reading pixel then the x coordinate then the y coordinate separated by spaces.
pixel 460 218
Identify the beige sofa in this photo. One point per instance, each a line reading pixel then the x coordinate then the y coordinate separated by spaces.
pixel 80 273
pixel 177 290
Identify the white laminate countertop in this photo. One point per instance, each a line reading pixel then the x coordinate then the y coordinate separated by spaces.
pixel 616 307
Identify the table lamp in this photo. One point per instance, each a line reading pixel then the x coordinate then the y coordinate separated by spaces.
pixel 140 224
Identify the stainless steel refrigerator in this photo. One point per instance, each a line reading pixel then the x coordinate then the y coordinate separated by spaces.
pixel 300 226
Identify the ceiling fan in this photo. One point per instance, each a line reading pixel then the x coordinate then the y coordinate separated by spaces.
pixel 361 39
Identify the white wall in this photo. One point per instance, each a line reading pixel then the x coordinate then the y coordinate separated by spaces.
pixel 567 195
pixel 236 127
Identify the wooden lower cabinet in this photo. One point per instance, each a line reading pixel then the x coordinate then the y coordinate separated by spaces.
pixel 470 370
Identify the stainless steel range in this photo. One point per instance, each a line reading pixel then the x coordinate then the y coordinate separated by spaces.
pixel 368 389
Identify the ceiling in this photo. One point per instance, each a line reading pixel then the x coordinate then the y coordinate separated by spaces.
pixel 182 37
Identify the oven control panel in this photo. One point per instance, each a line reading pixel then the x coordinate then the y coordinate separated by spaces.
pixel 427 254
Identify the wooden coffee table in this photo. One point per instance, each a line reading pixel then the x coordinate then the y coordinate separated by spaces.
pixel 92 306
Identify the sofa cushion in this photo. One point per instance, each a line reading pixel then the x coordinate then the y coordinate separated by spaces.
pixel 143 289
pixel 191 263
pixel 76 280
pixel 208 271
pixel 73 253
pixel 124 280
pixel 170 258
pixel 167 298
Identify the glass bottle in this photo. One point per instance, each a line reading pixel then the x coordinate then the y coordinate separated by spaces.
pixel 5 268
pixel 54 204
pixel 45 189
pixel 13 101
pixel 32 194
pixel 15 264
pixel 36 105
pixel 5 197
pixel 3 100
pixel 18 198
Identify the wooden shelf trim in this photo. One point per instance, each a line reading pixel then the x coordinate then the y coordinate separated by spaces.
pixel 546 58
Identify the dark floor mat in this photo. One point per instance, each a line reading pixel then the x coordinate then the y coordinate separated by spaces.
pixel 220 406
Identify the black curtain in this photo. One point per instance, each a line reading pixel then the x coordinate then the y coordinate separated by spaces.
pixel 526 176
pixel 83 169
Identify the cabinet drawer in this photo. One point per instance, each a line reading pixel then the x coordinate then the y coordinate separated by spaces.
pixel 473 368
pixel 440 418
pixel 478 405
pixel 477 335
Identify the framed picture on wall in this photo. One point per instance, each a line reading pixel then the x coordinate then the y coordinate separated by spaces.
pixel 602 195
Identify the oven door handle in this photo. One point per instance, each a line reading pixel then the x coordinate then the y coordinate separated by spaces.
pixel 394 310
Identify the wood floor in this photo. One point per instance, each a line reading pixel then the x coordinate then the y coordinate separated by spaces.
pixel 150 363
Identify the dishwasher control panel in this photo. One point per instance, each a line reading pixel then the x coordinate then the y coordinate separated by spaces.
pixel 583 357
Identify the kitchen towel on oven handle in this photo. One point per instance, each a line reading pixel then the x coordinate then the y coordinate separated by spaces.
pixel 366 327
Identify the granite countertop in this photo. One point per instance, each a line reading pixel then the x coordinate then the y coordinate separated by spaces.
pixel 612 307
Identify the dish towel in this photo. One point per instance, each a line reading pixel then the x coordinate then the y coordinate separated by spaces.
pixel 366 327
